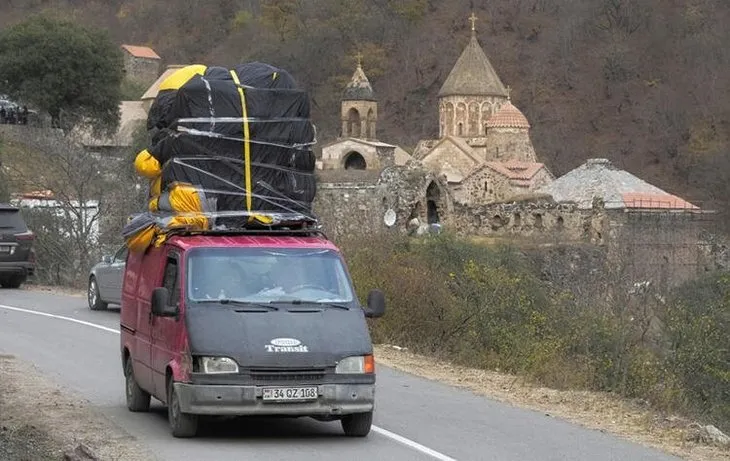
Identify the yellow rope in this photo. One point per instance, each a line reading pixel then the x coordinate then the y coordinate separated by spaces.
pixel 246 143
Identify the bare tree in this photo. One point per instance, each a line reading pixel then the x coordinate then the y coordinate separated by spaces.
pixel 68 190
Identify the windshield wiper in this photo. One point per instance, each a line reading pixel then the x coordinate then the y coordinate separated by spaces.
pixel 338 306
pixel 238 302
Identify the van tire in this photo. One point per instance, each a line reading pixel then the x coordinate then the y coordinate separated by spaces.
pixel 357 424
pixel 183 425
pixel 137 399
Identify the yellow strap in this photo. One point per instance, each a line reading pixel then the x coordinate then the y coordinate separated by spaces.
pixel 246 143
pixel 276 74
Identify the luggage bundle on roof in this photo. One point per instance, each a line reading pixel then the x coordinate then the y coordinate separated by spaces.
pixel 231 149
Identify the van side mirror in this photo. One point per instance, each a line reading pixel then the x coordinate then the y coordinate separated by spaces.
pixel 161 303
pixel 106 259
pixel 376 304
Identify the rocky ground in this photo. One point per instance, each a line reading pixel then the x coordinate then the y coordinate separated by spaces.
pixel 41 422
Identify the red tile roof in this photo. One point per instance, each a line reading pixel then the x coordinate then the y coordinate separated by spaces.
pixel 141 51
pixel 518 173
pixel 655 201
pixel 508 116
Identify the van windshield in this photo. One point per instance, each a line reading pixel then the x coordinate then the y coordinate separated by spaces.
pixel 259 275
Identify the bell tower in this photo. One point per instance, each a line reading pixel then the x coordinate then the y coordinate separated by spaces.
pixel 359 113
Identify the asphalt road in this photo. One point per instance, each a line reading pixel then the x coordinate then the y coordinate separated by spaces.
pixel 415 419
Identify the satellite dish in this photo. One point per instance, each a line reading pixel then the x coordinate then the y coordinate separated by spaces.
pixel 389 217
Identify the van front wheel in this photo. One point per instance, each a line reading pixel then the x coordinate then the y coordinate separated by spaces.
pixel 182 424
pixel 137 398
pixel 358 424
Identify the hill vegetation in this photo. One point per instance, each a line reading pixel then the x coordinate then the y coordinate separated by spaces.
pixel 640 82
pixel 487 307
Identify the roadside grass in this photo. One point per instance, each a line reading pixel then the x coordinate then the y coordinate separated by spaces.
pixel 487 307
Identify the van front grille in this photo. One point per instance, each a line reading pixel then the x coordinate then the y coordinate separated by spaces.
pixel 295 375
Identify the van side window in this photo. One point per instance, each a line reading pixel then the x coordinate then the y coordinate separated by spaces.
pixel 171 280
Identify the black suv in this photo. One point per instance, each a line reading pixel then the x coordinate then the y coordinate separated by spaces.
pixel 17 256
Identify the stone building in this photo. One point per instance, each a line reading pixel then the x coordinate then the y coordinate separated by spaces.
pixel 482 177
pixel 141 64
pixel 484 148
pixel 358 147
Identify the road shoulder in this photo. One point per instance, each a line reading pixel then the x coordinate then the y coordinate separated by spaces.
pixel 39 420
pixel 607 413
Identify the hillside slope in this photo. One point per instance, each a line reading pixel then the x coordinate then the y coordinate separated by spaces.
pixel 640 82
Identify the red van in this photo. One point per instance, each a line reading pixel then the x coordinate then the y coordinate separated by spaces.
pixel 247 323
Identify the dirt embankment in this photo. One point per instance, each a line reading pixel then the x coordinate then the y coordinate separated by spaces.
pixel 41 422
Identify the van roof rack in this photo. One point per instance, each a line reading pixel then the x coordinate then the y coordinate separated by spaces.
pixel 249 231
pixel 282 224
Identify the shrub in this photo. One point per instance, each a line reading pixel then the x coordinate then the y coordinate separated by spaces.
pixel 697 326
pixel 487 307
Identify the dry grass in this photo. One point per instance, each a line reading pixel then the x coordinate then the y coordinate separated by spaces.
pixel 66 291
pixel 595 410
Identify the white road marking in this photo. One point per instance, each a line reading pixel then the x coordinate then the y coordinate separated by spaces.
pixel 391 435
pixel 61 317
pixel 412 444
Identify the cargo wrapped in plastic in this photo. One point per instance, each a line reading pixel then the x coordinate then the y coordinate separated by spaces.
pixel 230 149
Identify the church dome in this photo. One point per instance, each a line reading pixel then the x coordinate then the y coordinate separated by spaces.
pixel 359 88
pixel 473 74
pixel 508 116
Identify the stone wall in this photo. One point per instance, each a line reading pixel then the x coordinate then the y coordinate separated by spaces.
pixel 538 219
pixel 141 70
pixel 449 156
pixel 663 247
pixel 355 202
pixel 484 186
pixel 350 209
pixel 505 144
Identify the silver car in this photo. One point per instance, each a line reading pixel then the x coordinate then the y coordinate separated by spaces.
pixel 105 281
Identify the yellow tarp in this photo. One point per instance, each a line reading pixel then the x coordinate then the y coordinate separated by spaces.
pixel 180 77
pixel 146 165
pixel 142 239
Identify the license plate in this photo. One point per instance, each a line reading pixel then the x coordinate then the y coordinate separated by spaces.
pixel 4 249
pixel 290 393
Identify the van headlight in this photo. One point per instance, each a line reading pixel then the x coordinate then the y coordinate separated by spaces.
pixel 213 365
pixel 361 364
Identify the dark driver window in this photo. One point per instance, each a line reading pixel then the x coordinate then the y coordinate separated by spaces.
pixel 171 281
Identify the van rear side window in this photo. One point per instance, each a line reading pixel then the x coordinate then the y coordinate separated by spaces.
pixel 171 278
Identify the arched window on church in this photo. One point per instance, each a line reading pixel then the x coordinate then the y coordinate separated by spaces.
pixel 473 119
pixel 353 123
pixel 461 129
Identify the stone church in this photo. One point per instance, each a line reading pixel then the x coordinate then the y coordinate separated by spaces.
pixel 483 153
pixel 482 177
pixel 484 149
pixel 358 147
